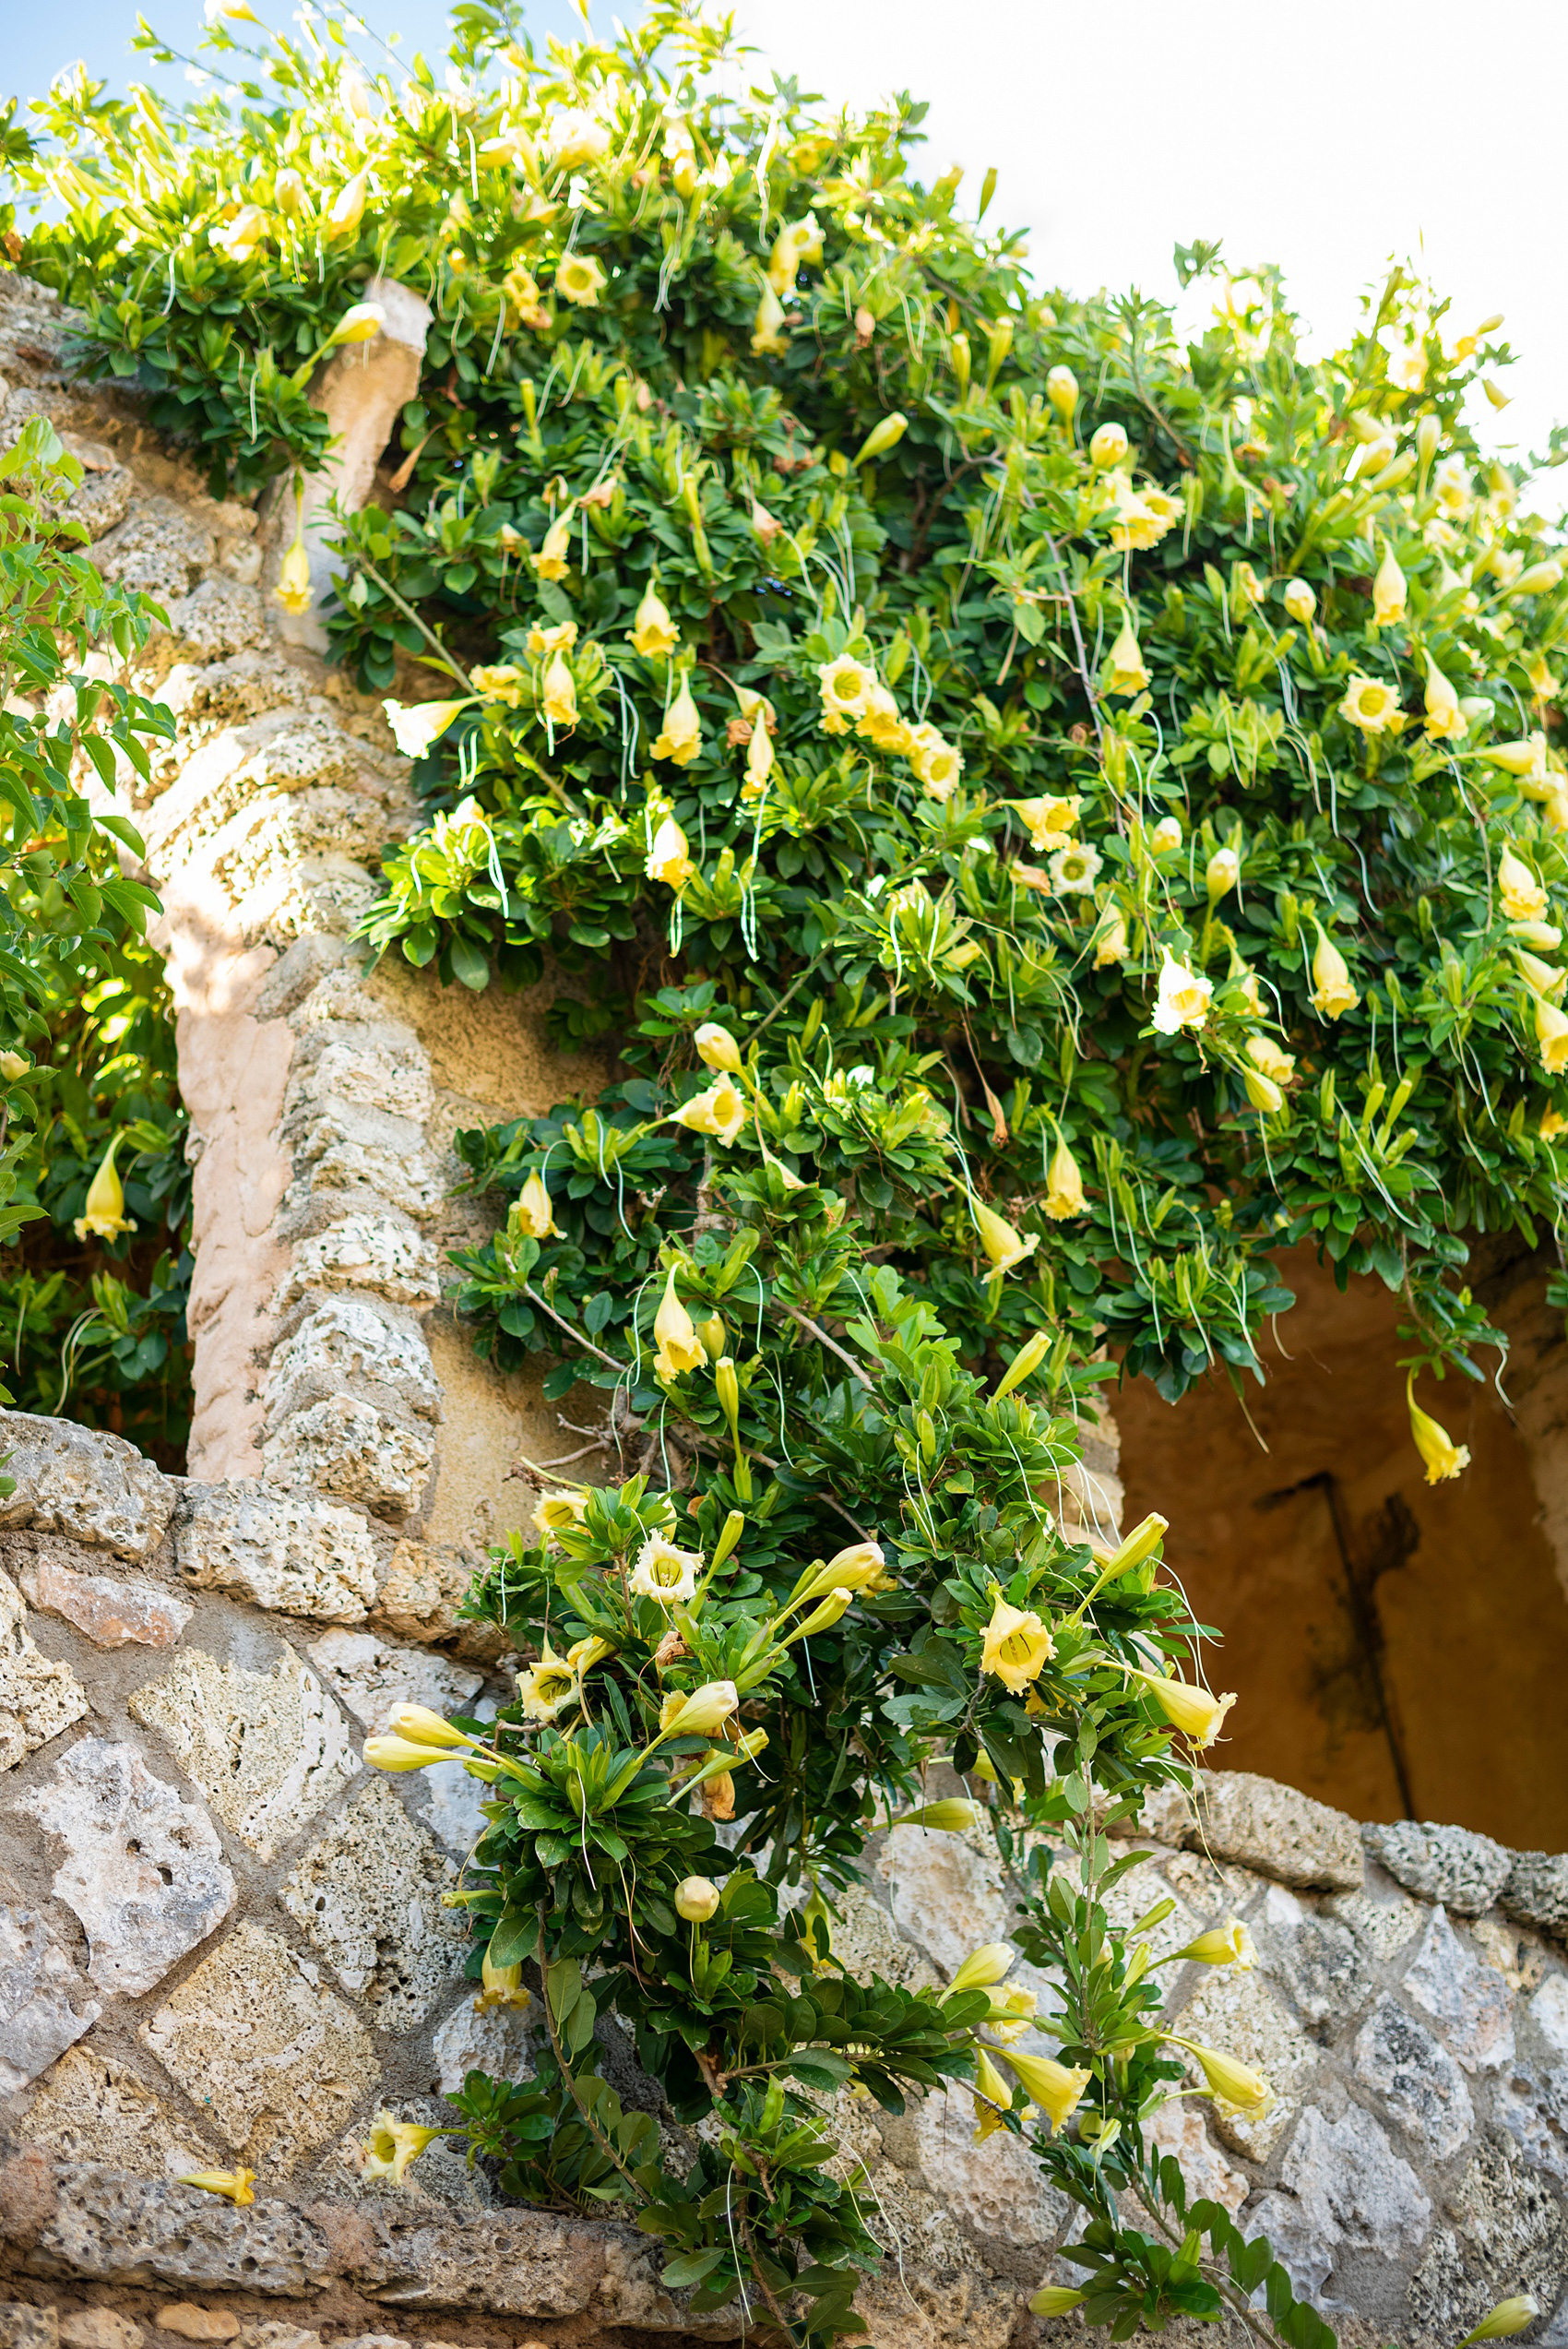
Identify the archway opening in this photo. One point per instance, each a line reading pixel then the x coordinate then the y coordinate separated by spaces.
pixel 1397 1648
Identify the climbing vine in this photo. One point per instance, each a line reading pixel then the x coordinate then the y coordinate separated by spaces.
pixel 1044 813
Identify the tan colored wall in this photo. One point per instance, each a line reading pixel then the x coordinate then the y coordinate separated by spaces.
pixel 1451 1617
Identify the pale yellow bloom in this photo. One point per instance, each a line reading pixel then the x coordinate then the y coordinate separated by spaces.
pixel 1074 869
pixel 1124 672
pixel 293 588
pixel 665 1573
pixel 499 681
pixel 1193 1711
pixel 1165 837
pixel 234 2185
pixel 1372 706
pixel 1300 603
pixel 532 1210
pixel 547 1688
pixel 682 739
pixel 1234 2084
pixel 1269 1060
pixel 545 643
pixel 360 323
pixel 1389 592
pixel 721 1112
pixel 1048 820
pixel 1552 1123
pixel 1524 899
pixel 845 685
pixel 653 633
pixel 1012 2013
pixel 669 856
pixel 560 703
pixel 1333 994
pixel 1508 2318
pixel 243 235
pixel 576 139
pixel 696 1899
pixel 558 1512
pixel 1142 516
pixel 1005 1248
pixel 938 763
pixel 1061 390
pixel 103 1211
pixel 392 2145
pixel 1263 1092
pixel 703 1713
pixel 415 728
pixel 1446 720
pixel 550 560
pixel 984 1966
pixel 419 1726
pixel 1183 997
pixel 1551 1035
pixel 862 1566
pixel 1064 1186
pixel 1108 448
pixel 1056 2088
pixel 579 278
pixel 401 1753
pixel 884 725
pixel 583 1654
pixel 716 1048
pixel 500 1986
pixel 1221 874
pixel 347 208
pixel 1110 943
pixel 1224 1944
pixel 770 339
pixel 680 1350
pixel 798 243
pixel 1542 978
pixel 1451 487
pixel 1017 1647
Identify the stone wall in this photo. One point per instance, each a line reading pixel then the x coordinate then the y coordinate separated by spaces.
pixel 221 1938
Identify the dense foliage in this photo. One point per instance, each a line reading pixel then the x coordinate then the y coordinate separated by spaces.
pixel 91 1291
pixel 1047 814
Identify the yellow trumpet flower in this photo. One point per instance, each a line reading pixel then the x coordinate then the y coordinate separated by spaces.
pixel 1124 673
pixel 1064 1186
pixel 680 1350
pixel 103 1211
pixel 533 1211
pixel 717 1047
pixel 392 2145
pixel 1056 2088
pixel 550 561
pixel 984 1966
pixel 500 1986
pixel 1233 2083
pixel 721 1112
pixel 669 856
pixel 1444 1459
pixel 1332 993
pixel 682 738
pixel 1388 592
pixel 1193 1711
pixel 560 702
pixel 1524 899
pixel 234 2185
pixel 547 1688
pixel 653 633
pixel 1017 1647
pixel 1003 1245
pixel 415 728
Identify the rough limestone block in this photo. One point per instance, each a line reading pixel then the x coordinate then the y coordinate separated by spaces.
pixel 1508 2238
pixel 1343 2190
pixel 1239 2013
pixel 493 2040
pixel 947 1892
pixel 1319 1960
pixel 1536 1892
pixel 105 1608
pixel 420 1594
pixel 995 2190
pixel 286 1551
pixel 280 2065
pixel 216 619
pixel 349 1344
pixel 268 1749
pixel 100 2329
pixel 159 548
pixel 39 1697
pixel 371 1675
pixel 371 1252
pixel 1469 2002
pixel 231 691
pixel 1465 1871
pixel 344 1148
pixel 355 1452
pixel 23 2327
pixel 45 2005
pixel 109 2228
pixel 1286 1835
pixel 1380 1926
pixel 1414 2080
pixel 368 1897
pixel 142 1869
pixel 187 2322
pixel 1535 2113
pixel 384 1067
pixel 77 1481
pixel 91 2108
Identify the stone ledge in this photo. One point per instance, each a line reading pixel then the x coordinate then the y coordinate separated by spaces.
pixel 84 1483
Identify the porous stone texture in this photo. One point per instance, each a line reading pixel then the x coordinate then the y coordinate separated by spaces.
pixel 371 1675
pixel 143 1870
pixel 368 1898
pixel 92 2108
pixel 287 1551
pixel 1466 1872
pixel 1277 1832
pixel 83 1482
pixel 45 2005
pixel 278 2064
pixel 39 1696
pixel 268 1749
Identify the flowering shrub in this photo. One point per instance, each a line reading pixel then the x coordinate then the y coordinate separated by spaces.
pixel 1048 815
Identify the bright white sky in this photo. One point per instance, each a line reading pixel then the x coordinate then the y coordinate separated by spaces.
pixel 1324 137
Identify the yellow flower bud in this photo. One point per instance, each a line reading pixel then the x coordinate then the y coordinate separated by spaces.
pixel 1221 874
pixel 1024 1363
pixel 1061 390
pixel 949 1817
pixel 653 633
pixel 347 208
pixel 362 323
pixel 984 1966
pixel 419 1726
pixel 696 1899
pixel 1108 448
pixel 682 738
pixel 680 1349
pixel 1055 2301
pixel 1227 1945
pixel 1124 672
pixel 1054 2087
pixel 1064 1186
pixel 1236 2084
pixel 716 1048
pixel 1388 592
pixel 560 700
pixel 1333 994
pixel 1193 1711
pixel 234 2185
pixel 1508 2317
pixel 881 438
pixel 705 1711
pixel 1300 601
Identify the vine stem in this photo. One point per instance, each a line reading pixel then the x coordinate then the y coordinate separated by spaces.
pixel 1077 638
pixel 820 1334
pixel 410 614
pixel 589 2123
pixel 763 2285
pixel 534 1298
